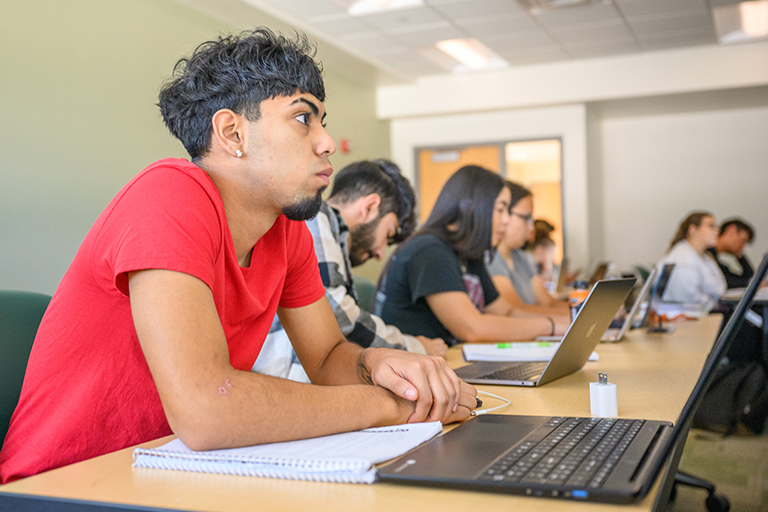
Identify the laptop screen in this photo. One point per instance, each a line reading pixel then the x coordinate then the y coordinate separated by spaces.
pixel 657 291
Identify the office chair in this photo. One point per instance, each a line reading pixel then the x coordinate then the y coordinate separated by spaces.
pixel 20 315
pixel 714 502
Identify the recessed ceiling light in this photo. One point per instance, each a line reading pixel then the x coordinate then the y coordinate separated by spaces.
pixel 363 7
pixel 471 53
pixel 754 18
pixel 737 23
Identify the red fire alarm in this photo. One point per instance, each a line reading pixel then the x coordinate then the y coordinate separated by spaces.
pixel 344 146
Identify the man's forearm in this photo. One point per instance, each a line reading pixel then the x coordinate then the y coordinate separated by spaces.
pixel 254 409
pixel 344 364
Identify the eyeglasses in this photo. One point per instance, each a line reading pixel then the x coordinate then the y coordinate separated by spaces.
pixel 527 218
pixel 397 237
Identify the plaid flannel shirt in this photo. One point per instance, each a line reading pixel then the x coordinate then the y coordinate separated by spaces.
pixel 331 238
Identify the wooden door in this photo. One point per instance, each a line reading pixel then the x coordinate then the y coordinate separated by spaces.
pixel 437 165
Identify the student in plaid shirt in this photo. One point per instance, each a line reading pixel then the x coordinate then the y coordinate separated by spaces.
pixel 370 207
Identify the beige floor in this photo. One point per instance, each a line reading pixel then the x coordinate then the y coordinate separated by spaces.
pixel 738 466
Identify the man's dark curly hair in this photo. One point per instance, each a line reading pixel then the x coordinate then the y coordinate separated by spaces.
pixel 237 72
pixel 381 177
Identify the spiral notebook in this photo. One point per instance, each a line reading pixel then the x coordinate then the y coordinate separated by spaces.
pixel 349 457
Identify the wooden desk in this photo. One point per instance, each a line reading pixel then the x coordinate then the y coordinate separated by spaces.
pixel 654 373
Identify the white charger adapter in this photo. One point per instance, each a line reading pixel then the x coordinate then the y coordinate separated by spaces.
pixel 603 397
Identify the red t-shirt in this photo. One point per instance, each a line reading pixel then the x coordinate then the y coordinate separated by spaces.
pixel 88 389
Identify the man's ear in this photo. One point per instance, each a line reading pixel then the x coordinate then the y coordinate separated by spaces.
pixel 369 207
pixel 229 131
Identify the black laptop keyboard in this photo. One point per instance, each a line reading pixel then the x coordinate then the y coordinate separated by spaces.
pixel 580 452
pixel 525 371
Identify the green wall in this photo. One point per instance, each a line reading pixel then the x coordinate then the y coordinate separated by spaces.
pixel 78 86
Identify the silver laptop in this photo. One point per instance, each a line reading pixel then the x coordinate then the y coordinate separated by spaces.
pixel 584 459
pixel 579 341
pixel 559 287
pixel 614 334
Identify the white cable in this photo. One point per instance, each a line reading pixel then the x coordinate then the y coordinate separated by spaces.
pixel 486 411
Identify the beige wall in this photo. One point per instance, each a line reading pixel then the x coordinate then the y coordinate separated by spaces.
pixel 78 87
pixel 659 167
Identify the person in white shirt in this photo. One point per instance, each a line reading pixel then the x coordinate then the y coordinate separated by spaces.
pixel 696 280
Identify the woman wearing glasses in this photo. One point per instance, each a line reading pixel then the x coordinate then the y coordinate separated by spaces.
pixel 436 283
pixel 512 269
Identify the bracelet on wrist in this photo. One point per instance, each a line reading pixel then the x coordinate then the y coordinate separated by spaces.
pixel 552 324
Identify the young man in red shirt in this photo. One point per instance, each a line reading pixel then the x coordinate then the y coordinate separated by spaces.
pixel 160 317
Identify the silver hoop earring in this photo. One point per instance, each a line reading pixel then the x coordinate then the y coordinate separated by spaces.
pixel 238 153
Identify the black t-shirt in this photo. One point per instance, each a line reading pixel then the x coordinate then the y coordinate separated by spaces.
pixel 424 266
pixel 733 279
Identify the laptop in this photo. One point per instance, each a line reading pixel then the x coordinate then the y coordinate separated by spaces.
pixel 659 287
pixel 574 350
pixel 553 456
pixel 614 334
pixel 560 288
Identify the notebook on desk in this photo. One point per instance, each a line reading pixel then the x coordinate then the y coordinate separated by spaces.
pixel 587 459
pixel 579 341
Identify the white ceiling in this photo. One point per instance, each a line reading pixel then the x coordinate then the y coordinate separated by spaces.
pixel 396 41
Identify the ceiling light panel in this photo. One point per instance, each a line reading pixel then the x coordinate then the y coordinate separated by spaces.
pixel 367 7
pixel 470 52
pixel 754 18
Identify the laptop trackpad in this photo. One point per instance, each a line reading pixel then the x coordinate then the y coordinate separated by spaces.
pixel 465 451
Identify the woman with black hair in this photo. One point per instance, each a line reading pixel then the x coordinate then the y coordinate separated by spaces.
pixel 436 283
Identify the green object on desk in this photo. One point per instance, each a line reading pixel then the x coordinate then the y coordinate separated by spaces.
pixel 535 344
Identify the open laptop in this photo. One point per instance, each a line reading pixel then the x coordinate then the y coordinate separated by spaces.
pixel 538 455
pixel 658 286
pixel 654 301
pixel 579 341
pixel 559 287
pixel 614 334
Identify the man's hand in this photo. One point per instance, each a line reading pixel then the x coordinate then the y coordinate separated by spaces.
pixel 434 346
pixel 427 381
